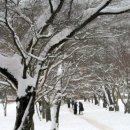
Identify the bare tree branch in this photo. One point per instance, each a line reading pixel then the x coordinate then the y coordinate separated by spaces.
pixel 51 6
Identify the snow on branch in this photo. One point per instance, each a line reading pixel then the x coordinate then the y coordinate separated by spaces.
pixel 8 64
pixel 35 57
pixel 43 22
pixel 17 41
pixel 10 83
pixel 11 67
pixel 67 33
pixel 4 83
pixel 79 79
pixel 55 39
pixel 20 13
pixel 45 36
pixel 66 86
pixel 92 12
pixel 42 93
pixel 15 36
pixel 59 62
pixel 39 24
pixel 115 10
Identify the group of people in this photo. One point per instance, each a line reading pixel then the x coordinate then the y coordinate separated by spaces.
pixel 77 106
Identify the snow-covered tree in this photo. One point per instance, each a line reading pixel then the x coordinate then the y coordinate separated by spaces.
pixel 34 36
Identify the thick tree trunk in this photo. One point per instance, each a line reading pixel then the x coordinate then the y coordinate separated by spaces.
pixel 43 109
pixel 68 102
pixel 108 98
pixel 57 113
pixel 5 107
pixel 25 111
pixel 48 112
pixel 32 127
pixel 128 103
pixel 125 108
pixel 115 100
pixel 55 117
pixel 104 102
pixel 92 100
pixel 96 100
pixel 4 101
pixel 111 107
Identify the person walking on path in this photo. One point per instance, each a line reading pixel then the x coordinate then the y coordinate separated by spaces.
pixel 75 108
pixel 72 103
pixel 68 102
pixel 81 108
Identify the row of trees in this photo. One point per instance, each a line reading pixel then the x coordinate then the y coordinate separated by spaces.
pixel 38 43
pixel 106 75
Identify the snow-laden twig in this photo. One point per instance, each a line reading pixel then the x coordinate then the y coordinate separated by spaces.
pixel 42 93
pixel 116 10
pixel 36 57
pixel 8 81
pixel 44 36
pixel 59 62
pixel 66 86
pixel 22 15
pixel 4 83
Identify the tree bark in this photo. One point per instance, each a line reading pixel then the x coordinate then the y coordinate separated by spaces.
pixel 48 112
pixel 96 100
pixel 55 118
pixel 111 107
pixel 104 101
pixel 4 102
pixel 32 127
pixel 43 109
pixel 128 103
pixel 25 111
pixel 57 113
pixel 115 100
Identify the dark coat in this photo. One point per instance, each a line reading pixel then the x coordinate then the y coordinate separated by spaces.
pixel 68 102
pixel 72 103
pixel 75 108
pixel 81 108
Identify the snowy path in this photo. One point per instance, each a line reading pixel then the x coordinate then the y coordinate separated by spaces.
pixel 93 122
pixel 69 121
pixel 110 119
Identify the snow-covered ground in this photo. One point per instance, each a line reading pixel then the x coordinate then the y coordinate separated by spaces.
pixel 94 118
